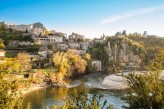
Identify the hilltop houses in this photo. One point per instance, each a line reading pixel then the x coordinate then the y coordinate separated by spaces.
pixel 35 28
pixel 99 40
pixel 75 41
pixel 62 46
pixel 21 27
pixel 48 39
pixel 74 37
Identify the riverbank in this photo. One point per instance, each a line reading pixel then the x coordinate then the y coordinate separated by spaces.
pixel 88 84
pixel 111 82
pixel 118 82
pixel 34 87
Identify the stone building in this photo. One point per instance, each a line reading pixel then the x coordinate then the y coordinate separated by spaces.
pixel 97 64
pixel 3 24
pixel 36 28
pixel 49 39
pixel 81 51
pixel 2 56
pixel 21 27
pixel 41 40
pixel 2 53
pixel 145 34
pixel 38 31
pixel 25 43
pixel 74 45
pixel 74 37
pixel 84 45
pixel 99 40
pixel 52 31
pixel 54 38
pixel 62 46
pixel 60 34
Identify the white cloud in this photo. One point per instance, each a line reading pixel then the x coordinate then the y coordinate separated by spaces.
pixel 133 13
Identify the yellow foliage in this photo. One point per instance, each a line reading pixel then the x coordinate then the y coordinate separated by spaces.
pixel 87 56
pixel 24 60
pixel 69 63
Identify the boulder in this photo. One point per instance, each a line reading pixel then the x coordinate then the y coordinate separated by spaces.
pixel 115 82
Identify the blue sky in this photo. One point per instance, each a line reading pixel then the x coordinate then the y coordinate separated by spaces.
pixel 88 17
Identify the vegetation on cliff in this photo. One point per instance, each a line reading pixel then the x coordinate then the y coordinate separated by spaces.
pixel 126 47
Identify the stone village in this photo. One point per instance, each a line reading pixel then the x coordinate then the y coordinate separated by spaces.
pixel 62 42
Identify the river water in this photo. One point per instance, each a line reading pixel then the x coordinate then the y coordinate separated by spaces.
pixel 90 84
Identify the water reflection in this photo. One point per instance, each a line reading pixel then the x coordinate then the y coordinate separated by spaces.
pixel 47 97
pixel 42 98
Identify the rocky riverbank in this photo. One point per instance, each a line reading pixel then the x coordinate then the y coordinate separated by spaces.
pixel 34 87
pixel 113 82
pixel 116 82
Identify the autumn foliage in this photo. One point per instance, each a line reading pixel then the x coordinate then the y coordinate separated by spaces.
pixel 69 63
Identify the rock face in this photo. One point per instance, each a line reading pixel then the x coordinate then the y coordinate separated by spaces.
pixel 122 49
pixel 115 82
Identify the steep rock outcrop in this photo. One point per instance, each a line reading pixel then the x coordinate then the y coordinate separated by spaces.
pixel 124 50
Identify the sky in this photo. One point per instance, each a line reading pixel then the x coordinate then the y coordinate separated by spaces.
pixel 91 18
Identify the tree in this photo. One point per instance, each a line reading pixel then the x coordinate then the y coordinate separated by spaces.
pixel 1 44
pixel 3 26
pixel 24 60
pixel 9 98
pixel 10 66
pixel 146 90
pixel 87 56
pixel 82 101
pixel 26 31
pixel 69 63
pixel 124 32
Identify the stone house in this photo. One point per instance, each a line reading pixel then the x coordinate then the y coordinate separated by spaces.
pixel 84 45
pixel 2 53
pixel 62 46
pixel 41 62
pixel 2 56
pixel 81 51
pixel 74 37
pixel 25 43
pixel 74 45
pixel 60 34
pixel 41 40
pixel 35 28
pixel 38 31
pixel 49 39
pixel 99 40
pixel 97 64
pixel 52 31
pixel 21 27
pixel 54 38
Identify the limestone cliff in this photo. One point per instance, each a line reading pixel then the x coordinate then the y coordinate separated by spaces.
pixel 125 51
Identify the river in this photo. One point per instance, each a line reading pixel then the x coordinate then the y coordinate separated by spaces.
pixel 90 84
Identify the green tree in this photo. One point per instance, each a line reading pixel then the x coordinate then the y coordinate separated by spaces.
pixel 146 90
pixel 3 26
pixel 82 101
pixel 9 98
pixel 2 44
